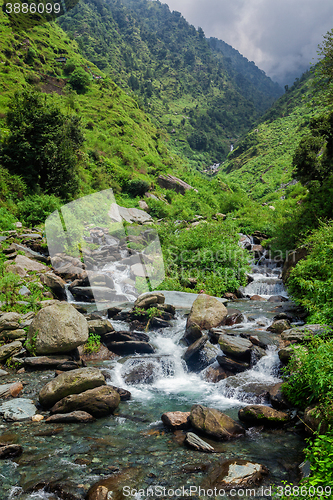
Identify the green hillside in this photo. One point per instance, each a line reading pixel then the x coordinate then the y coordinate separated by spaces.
pixel 170 68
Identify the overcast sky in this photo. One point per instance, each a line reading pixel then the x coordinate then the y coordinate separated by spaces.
pixel 280 36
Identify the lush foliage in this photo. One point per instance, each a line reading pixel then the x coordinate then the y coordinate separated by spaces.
pixel 311 281
pixel 93 343
pixel 42 144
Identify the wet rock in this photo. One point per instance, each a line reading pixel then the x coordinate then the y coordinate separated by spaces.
pixel 237 347
pixel 215 374
pixel 214 423
pixel 176 420
pixel 66 366
pixel 146 300
pixel 258 298
pixel 113 311
pixel 12 390
pixel 232 365
pixel 125 337
pixel 235 474
pixel 192 333
pixel 257 354
pixel 206 312
pixel 194 350
pixel 195 442
pixel 132 347
pixel 277 398
pixel 100 493
pixel 80 417
pixel 3 373
pixel 99 402
pixel 100 326
pixel 234 319
pixel 123 393
pixel 72 382
pixel 158 323
pixel 10 451
pixel 8 350
pixel 262 415
pixel 279 326
pixel 57 284
pixel 142 373
pixel 56 329
pixel 18 409
pixel 277 298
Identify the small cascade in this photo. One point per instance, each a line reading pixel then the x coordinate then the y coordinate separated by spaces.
pixel 265 273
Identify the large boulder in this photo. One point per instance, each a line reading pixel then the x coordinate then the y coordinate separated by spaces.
pixel 262 415
pixel 98 402
pixel 206 312
pixel 72 382
pixel 171 182
pixel 279 326
pixel 237 347
pixel 214 423
pixel 146 300
pixel 56 329
pixel 176 420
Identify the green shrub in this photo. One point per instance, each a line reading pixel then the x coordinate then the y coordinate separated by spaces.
pixel 93 343
pixel 137 187
pixel 36 208
pixel 7 220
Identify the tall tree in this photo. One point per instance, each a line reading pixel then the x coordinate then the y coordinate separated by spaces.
pixel 43 143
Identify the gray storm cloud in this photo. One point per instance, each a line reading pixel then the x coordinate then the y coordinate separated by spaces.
pixel 281 37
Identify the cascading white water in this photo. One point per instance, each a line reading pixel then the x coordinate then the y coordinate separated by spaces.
pixel 165 374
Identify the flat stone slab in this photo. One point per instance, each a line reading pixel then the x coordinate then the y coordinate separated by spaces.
pixel 17 410
pixel 183 300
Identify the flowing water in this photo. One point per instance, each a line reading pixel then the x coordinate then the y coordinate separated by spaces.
pixel 133 448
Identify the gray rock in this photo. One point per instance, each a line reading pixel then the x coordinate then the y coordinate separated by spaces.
pixel 8 350
pixel 277 398
pixel 45 362
pixel 75 417
pixel 57 284
pixel 29 264
pixel 214 423
pixel 192 333
pixel 131 347
pixel 279 326
pixel 10 321
pixel 18 409
pixel 3 373
pixel 237 347
pixel 234 474
pixel 262 415
pixel 195 442
pixel 146 300
pixel 195 348
pixel 206 312
pixel 232 365
pixel 98 402
pixel 171 182
pixel 176 420
pixel 58 328
pixel 100 326
pixel 72 382
pixel 12 389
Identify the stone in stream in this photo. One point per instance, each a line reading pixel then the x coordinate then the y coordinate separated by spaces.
pixel 159 323
pixel 192 333
pixel 279 326
pixel 100 326
pixel 277 399
pixel 206 312
pixel 146 300
pixel 99 402
pixel 176 420
pixel 237 347
pixel 287 353
pixel 131 347
pixel 58 328
pixel 8 350
pixel 235 474
pixel 262 415
pixel 10 451
pixel 215 374
pixel 257 298
pixel 79 417
pixel 214 423
pixel 12 389
pixel 125 337
pixel 17 410
pixel 72 382
pixel 232 365
pixel 45 362
pixel 195 442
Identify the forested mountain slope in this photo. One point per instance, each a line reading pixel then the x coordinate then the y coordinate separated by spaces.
pixel 189 90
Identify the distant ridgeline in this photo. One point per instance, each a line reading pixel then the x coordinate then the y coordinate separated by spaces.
pixel 203 93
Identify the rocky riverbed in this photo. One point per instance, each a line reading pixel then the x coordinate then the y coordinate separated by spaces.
pixel 179 393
